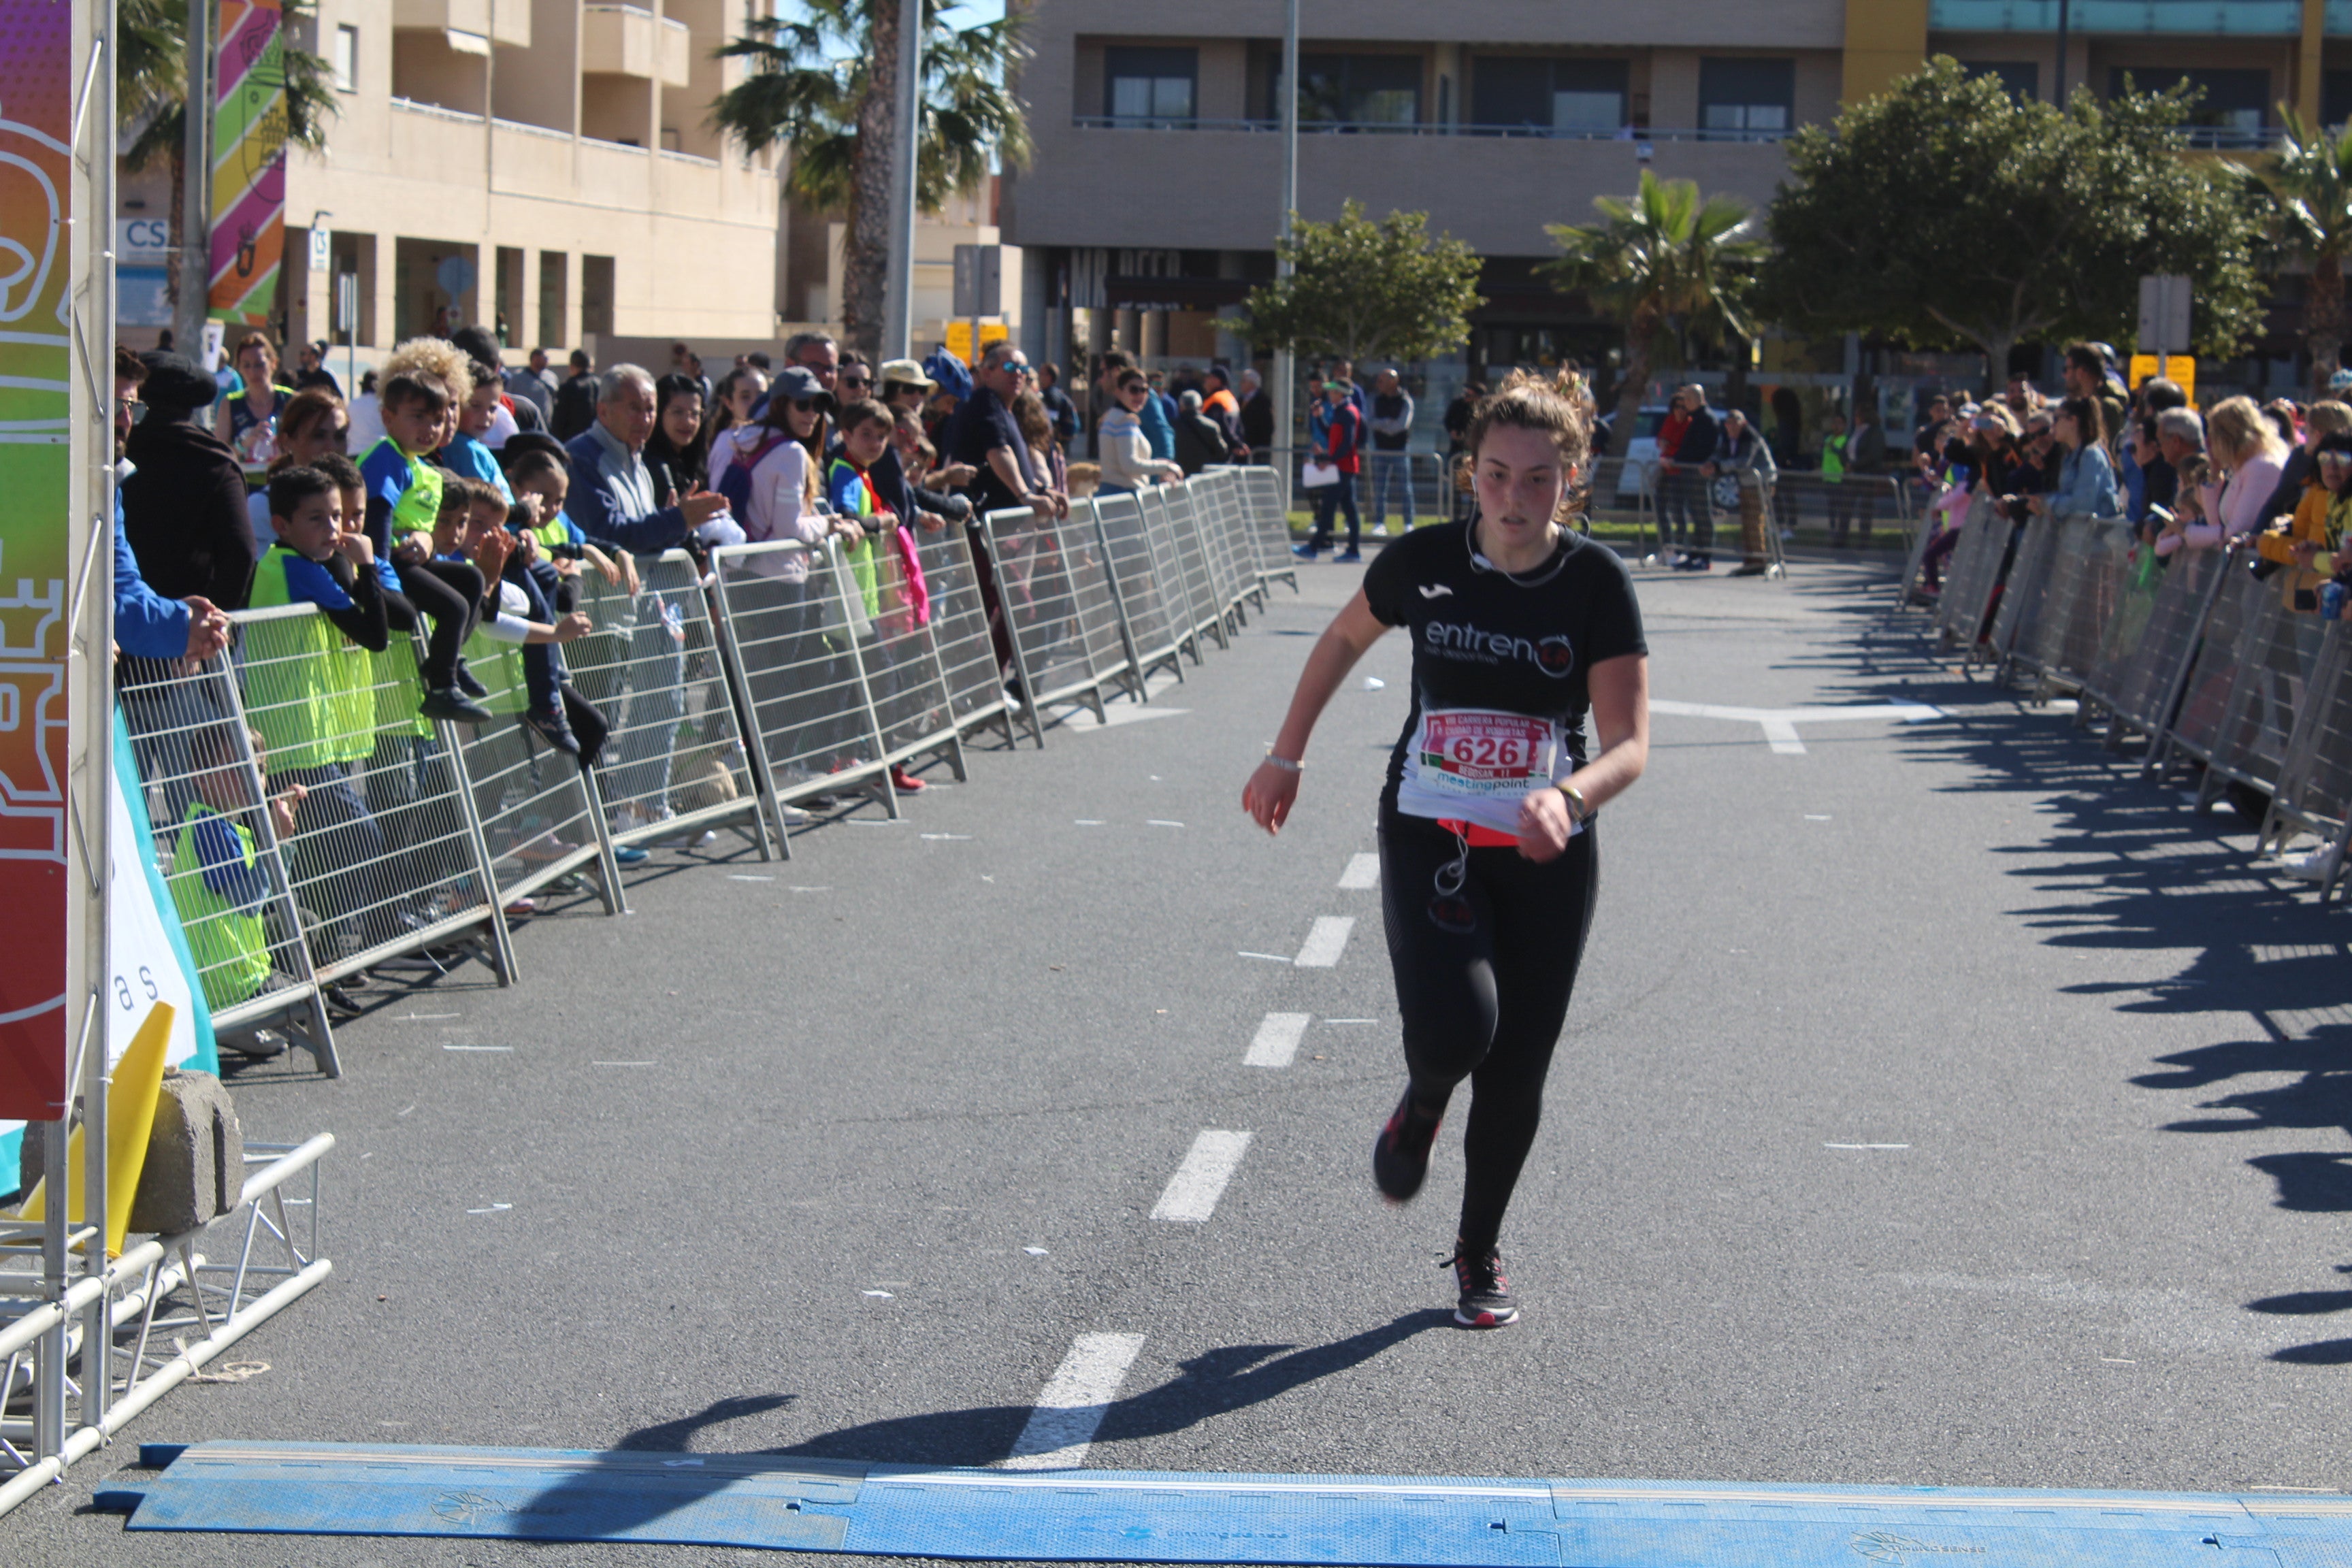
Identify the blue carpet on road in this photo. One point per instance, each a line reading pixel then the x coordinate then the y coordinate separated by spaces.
pixel 905 1510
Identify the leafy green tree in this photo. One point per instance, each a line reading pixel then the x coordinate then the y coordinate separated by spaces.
pixel 2308 181
pixel 1664 261
pixel 825 85
pixel 151 92
pixel 1362 290
pixel 1944 213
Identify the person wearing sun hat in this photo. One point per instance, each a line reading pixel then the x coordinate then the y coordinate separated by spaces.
pixel 184 506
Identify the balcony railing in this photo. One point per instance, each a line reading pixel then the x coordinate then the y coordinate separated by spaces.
pixel 2235 18
pixel 435 111
pixel 1394 128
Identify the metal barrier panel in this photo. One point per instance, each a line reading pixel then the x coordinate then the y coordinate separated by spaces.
pixel 218 848
pixel 2154 635
pixel 969 666
pixel 2077 594
pixel 1215 493
pixel 1266 501
pixel 1095 597
pixel 386 856
pixel 782 607
pixel 902 664
pixel 2314 784
pixel 1183 523
pixel 539 814
pixel 1041 612
pixel 2026 591
pixel 1189 612
pixel 675 762
pixel 1854 510
pixel 1975 575
pixel 1153 638
pixel 2205 694
pixel 2276 655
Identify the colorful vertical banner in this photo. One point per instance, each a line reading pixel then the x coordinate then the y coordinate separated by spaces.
pixel 37 86
pixel 248 162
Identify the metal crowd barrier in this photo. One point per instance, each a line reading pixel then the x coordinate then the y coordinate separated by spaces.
pixel 676 766
pixel 2192 650
pixel 778 673
pixel 1972 576
pixel 2314 785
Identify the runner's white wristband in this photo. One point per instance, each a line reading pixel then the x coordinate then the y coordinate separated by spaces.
pixel 1284 764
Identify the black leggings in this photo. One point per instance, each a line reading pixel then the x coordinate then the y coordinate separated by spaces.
pixel 1483 980
pixel 448 595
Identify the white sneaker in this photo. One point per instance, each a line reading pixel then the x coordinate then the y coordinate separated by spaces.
pixel 792 816
pixel 1380 530
pixel 2311 868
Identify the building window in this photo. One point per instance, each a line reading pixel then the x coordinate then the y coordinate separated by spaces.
pixel 1353 91
pixel 2021 80
pixel 1567 98
pixel 2336 98
pixel 2231 113
pixel 346 62
pixel 1746 99
pixel 1150 87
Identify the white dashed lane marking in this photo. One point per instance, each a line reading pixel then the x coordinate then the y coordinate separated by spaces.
pixel 1363 872
pixel 1325 942
pixel 1193 1192
pixel 1277 1040
pixel 1076 1399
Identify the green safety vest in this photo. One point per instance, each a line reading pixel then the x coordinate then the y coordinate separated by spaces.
pixel 499 666
pixel 419 507
pixel 307 686
pixel 229 943
pixel 1833 459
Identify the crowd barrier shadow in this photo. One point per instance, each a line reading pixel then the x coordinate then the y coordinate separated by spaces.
pixel 2137 871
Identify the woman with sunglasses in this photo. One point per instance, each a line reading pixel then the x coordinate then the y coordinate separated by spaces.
pixel 2086 484
pixel 310 424
pixel 1122 446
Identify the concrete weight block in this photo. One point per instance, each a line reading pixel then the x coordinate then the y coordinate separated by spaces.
pixel 195 1157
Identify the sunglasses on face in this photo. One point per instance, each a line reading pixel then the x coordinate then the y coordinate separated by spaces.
pixel 806 405
pixel 848 380
pixel 2334 460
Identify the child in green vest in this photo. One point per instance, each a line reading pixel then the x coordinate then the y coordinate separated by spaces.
pixel 217 883
pixel 404 498
pixel 309 690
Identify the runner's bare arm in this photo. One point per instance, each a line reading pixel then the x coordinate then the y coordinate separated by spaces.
pixel 1619 689
pixel 1269 794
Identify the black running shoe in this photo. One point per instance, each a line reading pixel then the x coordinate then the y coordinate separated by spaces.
pixel 1401 1153
pixel 1485 1295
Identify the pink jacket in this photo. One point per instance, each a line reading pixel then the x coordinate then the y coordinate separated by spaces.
pixel 2234 509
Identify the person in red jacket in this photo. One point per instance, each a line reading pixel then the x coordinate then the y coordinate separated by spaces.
pixel 1339 432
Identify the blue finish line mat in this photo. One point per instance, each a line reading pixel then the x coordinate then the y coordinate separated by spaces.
pixel 1137 1516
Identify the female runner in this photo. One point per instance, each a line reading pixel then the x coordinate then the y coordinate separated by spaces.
pixel 1487 855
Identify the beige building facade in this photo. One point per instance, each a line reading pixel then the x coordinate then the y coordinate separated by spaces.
pixel 543 167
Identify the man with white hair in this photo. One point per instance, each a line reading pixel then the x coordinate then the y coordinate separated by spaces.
pixel 612 499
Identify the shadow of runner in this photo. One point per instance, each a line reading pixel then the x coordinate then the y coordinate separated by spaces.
pixel 1233 1377
pixel 756 1499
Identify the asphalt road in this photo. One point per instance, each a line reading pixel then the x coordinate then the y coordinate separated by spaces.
pixel 1941 1104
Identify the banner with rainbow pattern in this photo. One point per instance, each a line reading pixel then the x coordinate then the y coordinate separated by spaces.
pixel 36 193
pixel 248 162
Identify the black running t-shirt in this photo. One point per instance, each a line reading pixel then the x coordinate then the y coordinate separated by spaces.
pixel 1481 640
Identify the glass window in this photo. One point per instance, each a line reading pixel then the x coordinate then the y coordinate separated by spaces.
pixel 1511 89
pixel 1573 97
pixel 1747 98
pixel 2336 98
pixel 1150 87
pixel 2232 112
pixel 346 62
pixel 1355 90
pixel 2021 80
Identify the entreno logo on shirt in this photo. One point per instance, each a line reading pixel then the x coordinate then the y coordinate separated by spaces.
pixel 1553 655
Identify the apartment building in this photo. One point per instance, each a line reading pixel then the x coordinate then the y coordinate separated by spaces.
pixel 545 165
pixel 1154 194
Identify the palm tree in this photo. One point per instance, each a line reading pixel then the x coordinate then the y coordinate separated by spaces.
pixel 1662 261
pixel 2308 179
pixel 825 85
pixel 151 92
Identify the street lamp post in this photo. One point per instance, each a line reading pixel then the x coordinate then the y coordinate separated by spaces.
pixel 899 289
pixel 1285 373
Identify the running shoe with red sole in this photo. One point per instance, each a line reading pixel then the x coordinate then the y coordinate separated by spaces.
pixel 1401 1153
pixel 1485 1301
